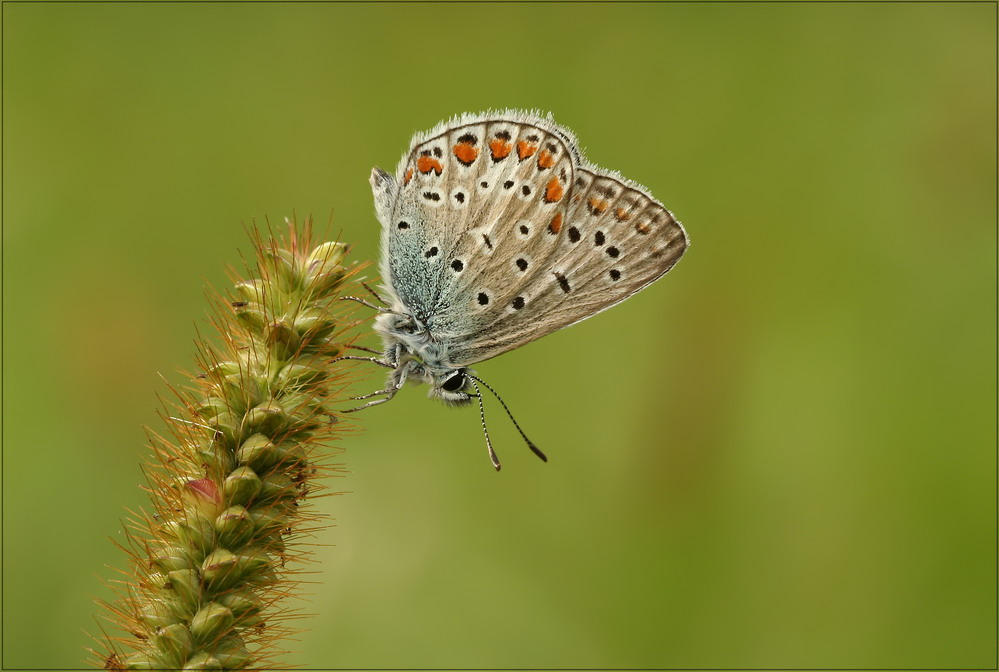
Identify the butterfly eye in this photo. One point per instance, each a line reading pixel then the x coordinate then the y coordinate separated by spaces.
pixel 455 382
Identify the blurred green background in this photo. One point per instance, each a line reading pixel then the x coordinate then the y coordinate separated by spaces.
pixel 782 455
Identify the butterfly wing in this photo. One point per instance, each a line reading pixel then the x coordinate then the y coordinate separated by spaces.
pixel 452 205
pixel 616 240
pixel 526 236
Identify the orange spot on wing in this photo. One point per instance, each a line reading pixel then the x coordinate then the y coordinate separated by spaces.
pixel 556 224
pixel 427 163
pixel 466 152
pixel 597 205
pixel 500 148
pixel 525 149
pixel 554 190
pixel 621 215
pixel 545 159
pixel 409 176
pixel 643 228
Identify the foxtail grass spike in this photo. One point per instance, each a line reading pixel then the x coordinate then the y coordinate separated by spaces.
pixel 218 553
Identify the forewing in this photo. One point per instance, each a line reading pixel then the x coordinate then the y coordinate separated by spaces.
pixel 466 190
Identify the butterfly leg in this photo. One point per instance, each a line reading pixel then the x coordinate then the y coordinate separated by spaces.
pixel 361 347
pixel 367 405
pixel 373 360
pixel 389 392
pixel 374 293
pixel 396 380
pixel 371 305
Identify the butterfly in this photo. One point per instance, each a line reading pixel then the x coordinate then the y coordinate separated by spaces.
pixel 495 232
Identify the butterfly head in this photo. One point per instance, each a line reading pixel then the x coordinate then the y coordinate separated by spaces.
pixel 454 387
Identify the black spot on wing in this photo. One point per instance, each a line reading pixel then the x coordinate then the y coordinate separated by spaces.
pixel 563 282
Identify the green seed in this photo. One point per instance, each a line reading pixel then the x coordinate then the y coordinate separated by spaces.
pixel 327 282
pixel 258 452
pixel 231 652
pixel 327 256
pixel 226 424
pixel 203 661
pixel 244 605
pixel 298 375
pixel 256 566
pixel 290 454
pixel 196 532
pixel 253 319
pixel 241 486
pixel 174 642
pixel 282 339
pixel 277 485
pixel 158 614
pixel 219 569
pixel 169 558
pixel 211 622
pixel 186 585
pixel 219 371
pixel 235 527
pixel 269 520
pixel 211 407
pixel 142 660
pixel 251 291
pixel 266 418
